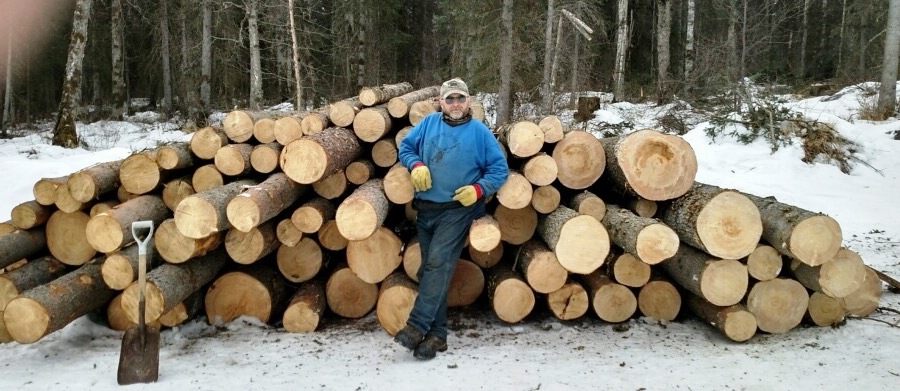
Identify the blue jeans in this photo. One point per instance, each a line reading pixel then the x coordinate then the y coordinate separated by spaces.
pixel 442 234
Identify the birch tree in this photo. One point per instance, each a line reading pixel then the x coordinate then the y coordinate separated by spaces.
pixel 504 100
pixel 546 92
pixel 689 43
pixel 256 93
pixel 117 33
pixel 64 132
pixel 622 38
pixel 295 57
pixel 887 94
pixel 206 55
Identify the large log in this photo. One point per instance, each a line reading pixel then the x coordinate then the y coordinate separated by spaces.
pixel 140 174
pixel 375 257
pixel 23 244
pixel 234 159
pixel 650 164
pixel 721 222
pixel 659 299
pixel 306 308
pixel 412 258
pixel 523 138
pixel 349 296
pixel 120 268
pixel 484 233
pixel 170 284
pixel 204 213
pixel 580 160
pixel 371 96
pixel 539 267
pixel 173 192
pixel 248 247
pixel 613 302
pixel 384 152
pixel 813 238
pixel 174 156
pixel 207 177
pixel 207 141
pixel 516 225
pixel 399 107
pixel 419 110
pixel 360 171
pixel 238 124
pixel 288 129
pixel 628 270
pixel 46 308
pixel 864 300
pixel 778 304
pixel 34 273
pixel 330 236
pixel 333 186
pixel 255 205
pixel 553 129
pixel 287 233
pixel 301 262
pixel 174 247
pixel 363 212
pixel 312 158
pixel 588 203
pixel 315 122
pixel 648 239
pixel 257 291
pixel 395 301
pixel 66 238
pixel 510 297
pixel 540 169
pixel 90 183
pixel 372 123
pixel 343 112
pixel 735 321
pixel 545 199
pixel 111 230
pixel 264 130
pixel 569 302
pixel 837 278
pixel 65 202
pixel 580 242
pixel 722 282
pixel 310 216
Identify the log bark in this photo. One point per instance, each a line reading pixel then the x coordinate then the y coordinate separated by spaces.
pixel 44 189
pixel 207 141
pixel 372 123
pixel 648 239
pixel 120 268
pixel 516 225
pixel 569 302
pixel 837 278
pixel 395 301
pixel 26 243
pixel 466 285
pixel 312 158
pixel 90 183
pixel 778 304
pixel 343 112
pixel 375 257
pixel 384 152
pixel 111 230
pixel 399 107
pixel 580 160
pixel 538 265
pixel 812 238
pixel 301 262
pixel 66 238
pixel 650 164
pixel 721 222
pixel 174 247
pixel 360 171
pixel 580 242
pixel 864 300
pixel 735 322
pixel 312 215
pixel 764 263
pixel 264 130
pixel 255 205
pixel 333 186
pixel 206 177
pixel 248 247
pixel 510 297
pixel 264 157
pixel 484 234
pixel 398 186
pixel 611 301
pixel 204 213
pixel 363 212
pixel 306 308
pixel 588 203
pixel 258 291
pixel 824 310
pixel 516 192
pixel 34 273
pixel 371 96
pixel 234 159
pixel 173 157
pixel 722 282
pixel 173 192
pixel 540 169
pixel 523 138
pixel 348 296
pixel 46 308
pixel 659 299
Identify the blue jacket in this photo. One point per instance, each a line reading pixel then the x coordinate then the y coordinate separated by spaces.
pixel 456 156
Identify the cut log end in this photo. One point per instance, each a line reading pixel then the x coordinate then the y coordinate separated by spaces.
pixel 816 240
pixel 196 218
pixel 513 300
pixel 309 169
pixel 583 244
pixel 656 243
pixel 243 213
pixel 569 302
pixel 778 304
pixel 236 294
pixel 724 282
pixel 104 233
pixel 729 225
pixel 657 166
pixel 614 303
pixel 26 320
pixel 659 300
pixel 117 272
pixel 739 325
pixel 153 299
pixel 301 318
pixel 356 220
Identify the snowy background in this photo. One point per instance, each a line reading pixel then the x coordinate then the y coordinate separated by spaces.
pixel 540 353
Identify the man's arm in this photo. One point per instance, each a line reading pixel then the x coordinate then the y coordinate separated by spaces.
pixel 496 170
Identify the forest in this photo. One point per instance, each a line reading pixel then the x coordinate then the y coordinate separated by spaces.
pixel 104 58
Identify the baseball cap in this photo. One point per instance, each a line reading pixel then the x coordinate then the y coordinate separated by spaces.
pixel 454 86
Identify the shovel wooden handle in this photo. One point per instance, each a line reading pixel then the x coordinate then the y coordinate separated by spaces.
pixel 137 230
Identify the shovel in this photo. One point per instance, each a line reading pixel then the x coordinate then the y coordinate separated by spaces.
pixel 139 359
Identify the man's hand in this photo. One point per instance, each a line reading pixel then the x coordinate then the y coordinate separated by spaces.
pixel 421 178
pixel 466 195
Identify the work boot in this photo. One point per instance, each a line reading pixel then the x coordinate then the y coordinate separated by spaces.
pixel 409 337
pixel 429 347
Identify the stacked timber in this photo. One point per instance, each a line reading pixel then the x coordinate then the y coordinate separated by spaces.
pixel 282 216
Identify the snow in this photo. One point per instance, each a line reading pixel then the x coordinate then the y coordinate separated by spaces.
pixel 540 353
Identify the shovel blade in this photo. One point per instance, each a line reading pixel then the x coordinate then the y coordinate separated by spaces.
pixel 139 359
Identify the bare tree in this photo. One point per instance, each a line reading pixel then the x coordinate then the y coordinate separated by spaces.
pixel 256 93
pixel 296 58
pixel 622 37
pixel 804 32
pixel 164 54
pixel 64 132
pixel 663 31
pixel 206 56
pixel 546 93
pixel 689 43
pixel 117 33
pixel 504 101
pixel 887 94
pixel 6 121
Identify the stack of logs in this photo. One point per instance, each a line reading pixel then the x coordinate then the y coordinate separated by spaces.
pixel 288 218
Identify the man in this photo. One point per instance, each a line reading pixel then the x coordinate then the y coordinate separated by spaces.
pixel 454 162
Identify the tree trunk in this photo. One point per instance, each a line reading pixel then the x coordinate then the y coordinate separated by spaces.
pixel 50 307
pixel 207 141
pixel 312 215
pixel 363 212
pixel 258 291
pixel 804 31
pixel 34 273
pixel 66 238
pixel 306 309
pixel 64 132
pixel 375 257
pixel 663 31
pixel 204 213
pixel 569 302
pixel 90 183
pixel 778 304
pixel 167 107
pixel 811 238
pixel 258 204
pixel 689 44
pixel 295 62
pixel 722 282
pixel 649 164
pixel 505 96
pixel 723 223
pixel 256 92
pixel 510 297
pixel 623 36
pixel 312 158
pixel 735 322
pixel 395 301
pixel 580 160
pixel 349 296
pixel 838 278
pixel 111 230
pixel 301 262
pixel 648 239
pixel 613 302
pixel 206 56
pixel 117 34
pixel 248 247
pixel 887 93
pixel 580 242
pixel 546 91
pixel 399 107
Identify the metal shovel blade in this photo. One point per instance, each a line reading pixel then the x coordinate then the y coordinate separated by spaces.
pixel 139 359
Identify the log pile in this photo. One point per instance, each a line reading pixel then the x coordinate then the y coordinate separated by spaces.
pixel 282 217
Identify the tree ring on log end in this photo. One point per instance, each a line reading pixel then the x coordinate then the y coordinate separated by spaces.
pixel 513 300
pixel 724 282
pixel 657 242
pixel 658 166
pixel 236 294
pixel 26 320
pixel 739 326
pixel 583 244
pixel 816 240
pixel 729 226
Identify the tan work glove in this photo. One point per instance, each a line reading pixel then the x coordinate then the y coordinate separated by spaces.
pixel 421 178
pixel 466 195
